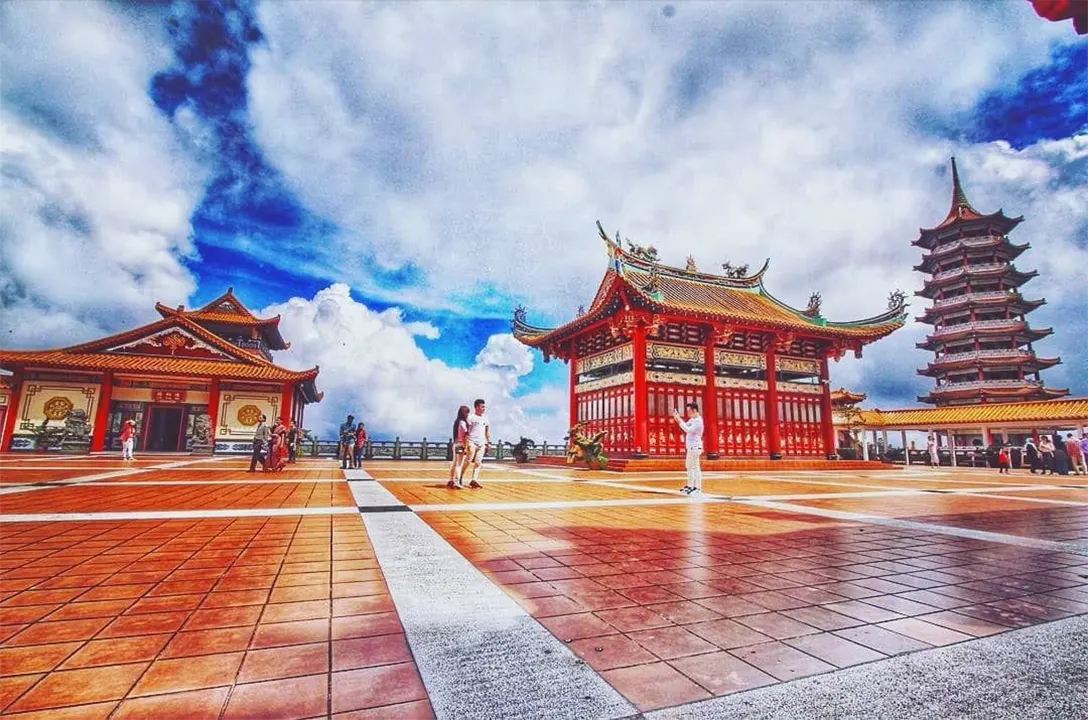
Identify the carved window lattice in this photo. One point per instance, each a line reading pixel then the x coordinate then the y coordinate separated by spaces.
pixel 597 342
pixel 611 409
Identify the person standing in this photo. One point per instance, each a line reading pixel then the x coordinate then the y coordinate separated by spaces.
pixel 693 445
pixel 1003 459
pixel 128 439
pixel 292 442
pixel 1084 452
pixel 347 442
pixel 479 440
pixel 360 445
pixel 1076 455
pixel 1046 450
pixel 1032 454
pixel 260 446
pixel 931 450
pixel 460 442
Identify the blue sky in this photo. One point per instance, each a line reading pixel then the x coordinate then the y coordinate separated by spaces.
pixel 426 168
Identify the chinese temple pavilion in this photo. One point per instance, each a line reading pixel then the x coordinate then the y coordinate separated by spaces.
pixel 195 379
pixel 656 337
pixel 981 339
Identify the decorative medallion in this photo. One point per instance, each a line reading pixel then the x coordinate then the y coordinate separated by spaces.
pixel 57 408
pixel 614 356
pixel 249 415
pixel 173 341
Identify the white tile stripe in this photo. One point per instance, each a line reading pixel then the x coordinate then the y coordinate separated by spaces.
pixel 83 479
pixel 1055 546
pixel 481 656
pixel 559 504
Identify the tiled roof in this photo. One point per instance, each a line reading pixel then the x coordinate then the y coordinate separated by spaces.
pixel 961 210
pixel 1066 409
pixel 227 309
pixel 842 396
pixel 158 364
pixel 728 300
pixel 101 355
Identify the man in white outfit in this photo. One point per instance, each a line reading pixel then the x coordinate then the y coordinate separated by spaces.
pixel 479 440
pixel 693 443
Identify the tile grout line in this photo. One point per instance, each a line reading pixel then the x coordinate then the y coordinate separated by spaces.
pixel 431 584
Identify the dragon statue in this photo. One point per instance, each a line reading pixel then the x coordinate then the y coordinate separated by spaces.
pixel 520 451
pixel 737 271
pixel 691 266
pixel 647 252
pixel 813 309
pixel 584 448
pixel 897 300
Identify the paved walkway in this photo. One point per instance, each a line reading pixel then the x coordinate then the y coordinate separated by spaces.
pixel 180 586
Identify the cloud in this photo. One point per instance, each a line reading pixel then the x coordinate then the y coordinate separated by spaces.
pixel 96 193
pixel 373 367
pixel 476 145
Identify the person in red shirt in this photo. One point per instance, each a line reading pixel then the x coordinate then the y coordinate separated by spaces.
pixel 128 439
pixel 1003 459
pixel 360 445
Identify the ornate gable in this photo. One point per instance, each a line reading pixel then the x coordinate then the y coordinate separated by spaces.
pixel 175 342
pixel 228 304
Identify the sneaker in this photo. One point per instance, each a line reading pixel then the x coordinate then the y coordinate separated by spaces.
pixel 695 491
pixel 452 485
pixel 686 489
pixel 475 484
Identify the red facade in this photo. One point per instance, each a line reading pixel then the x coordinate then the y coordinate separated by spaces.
pixel 657 337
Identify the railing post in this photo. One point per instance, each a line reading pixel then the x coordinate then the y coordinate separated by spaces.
pixel 423 450
pixel 498 450
pixel 449 449
pixel 368 449
pixel 396 448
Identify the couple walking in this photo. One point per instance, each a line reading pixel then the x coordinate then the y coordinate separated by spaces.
pixel 471 439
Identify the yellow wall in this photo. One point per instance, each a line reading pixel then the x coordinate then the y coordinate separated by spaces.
pixel 36 394
pixel 233 403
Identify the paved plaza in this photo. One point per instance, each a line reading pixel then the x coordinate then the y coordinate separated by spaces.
pixel 182 586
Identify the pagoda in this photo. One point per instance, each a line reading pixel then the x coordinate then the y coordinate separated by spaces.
pixel 194 380
pixel 981 340
pixel 657 337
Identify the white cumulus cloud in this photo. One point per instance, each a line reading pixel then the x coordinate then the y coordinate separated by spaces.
pixel 96 192
pixel 373 367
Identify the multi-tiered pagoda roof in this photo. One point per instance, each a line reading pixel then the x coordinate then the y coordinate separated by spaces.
pixel 982 341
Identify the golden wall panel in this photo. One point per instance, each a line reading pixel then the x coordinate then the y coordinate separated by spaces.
pixel 732 358
pixel 50 400
pixel 675 378
pixel 684 353
pixel 728 382
pixel 612 381
pixel 805 388
pixel 811 367
pixel 616 355
pixel 129 394
pixel 238 412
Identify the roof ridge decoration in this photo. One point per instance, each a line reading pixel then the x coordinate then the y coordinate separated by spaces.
pixel 962 210
pixel 134 336
pixel 228 302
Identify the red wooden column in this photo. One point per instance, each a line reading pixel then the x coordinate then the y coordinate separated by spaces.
pixel 213 409
pixel 827 421
pixel 642 400
pixel 573 384
pixel 8 430
pixel 710 400
pixel 774 442
pixel 102 414
pixel 286 400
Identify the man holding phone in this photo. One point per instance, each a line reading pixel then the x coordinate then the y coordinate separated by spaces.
pixel 693 443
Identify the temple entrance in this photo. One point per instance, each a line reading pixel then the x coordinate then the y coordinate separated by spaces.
pixel 164 425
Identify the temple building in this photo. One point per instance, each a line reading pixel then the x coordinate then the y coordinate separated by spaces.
pixel 193 380
pixel 656 337
pixel 981 340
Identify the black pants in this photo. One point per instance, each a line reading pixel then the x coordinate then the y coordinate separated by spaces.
pixel 257 456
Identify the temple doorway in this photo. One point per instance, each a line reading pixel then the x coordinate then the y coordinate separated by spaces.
pixel 164 426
